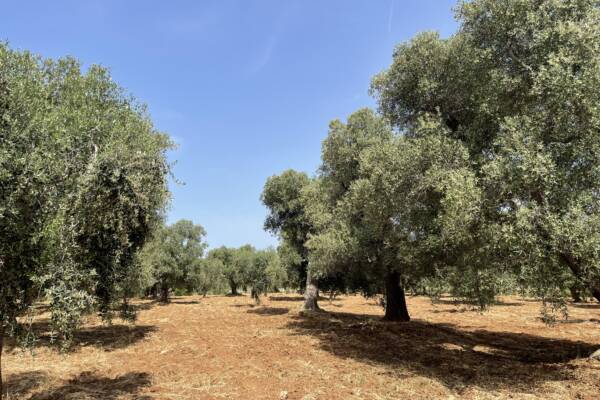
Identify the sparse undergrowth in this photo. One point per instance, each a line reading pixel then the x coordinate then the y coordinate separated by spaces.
pixel 225 347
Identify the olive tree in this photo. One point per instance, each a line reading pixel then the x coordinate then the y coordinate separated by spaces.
pixel 402 206
pixel 283 196
pixel 519 85
pixel 83 181
pixel 207 276
pixel 175 255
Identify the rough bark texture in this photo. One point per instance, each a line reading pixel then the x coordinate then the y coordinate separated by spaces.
pixel 311 295
pixel 233 288
pixel 596 292
pixel 255 295
pixel 575 293
pixel 575 267
pixel 164 296
pixel 395 300
pixel 1 349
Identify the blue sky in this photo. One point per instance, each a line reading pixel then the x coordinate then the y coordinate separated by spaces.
pixel 246 87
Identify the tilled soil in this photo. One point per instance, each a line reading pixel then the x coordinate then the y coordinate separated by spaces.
pixel 222 347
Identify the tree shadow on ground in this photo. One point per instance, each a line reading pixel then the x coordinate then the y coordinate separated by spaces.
pixel 144 306
pixel 90 386
pixel 286 298
pixel 186 302
pixel 457 358
pixel 18 385
pixel 242 305
pixel 269 311
pixel 587 306
pixel 107 337
pixel 458 302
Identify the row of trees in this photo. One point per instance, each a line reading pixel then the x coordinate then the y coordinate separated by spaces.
pixel 83 193
pixel 83 182
pixel 482 162
pixel 175 260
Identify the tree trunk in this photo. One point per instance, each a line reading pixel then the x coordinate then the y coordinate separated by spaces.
pixel 395 300
pixel 311 295
pixel 575 293
pixel 573 264
pixel 1 349
pixel 255 295
pixel 233 288
pixel 164 294
pixel 596 292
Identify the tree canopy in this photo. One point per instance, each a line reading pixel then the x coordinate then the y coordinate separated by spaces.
pixel 518 85
pixel 83 182
pixel 175 257
pixel 483 161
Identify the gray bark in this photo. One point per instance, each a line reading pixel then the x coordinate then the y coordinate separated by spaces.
pixel 311 294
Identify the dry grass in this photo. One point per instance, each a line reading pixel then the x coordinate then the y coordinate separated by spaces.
pixel 223 348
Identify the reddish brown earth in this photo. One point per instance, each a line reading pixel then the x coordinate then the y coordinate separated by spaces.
pixel 224 348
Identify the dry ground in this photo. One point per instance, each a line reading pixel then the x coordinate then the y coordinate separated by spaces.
pixel 224 348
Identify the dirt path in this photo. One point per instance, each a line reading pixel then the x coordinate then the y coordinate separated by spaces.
pixel 223 348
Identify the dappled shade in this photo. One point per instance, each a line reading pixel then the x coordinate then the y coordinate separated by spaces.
pixel 107 337
pixel 91 386
pixel 269 310
pixel 457 358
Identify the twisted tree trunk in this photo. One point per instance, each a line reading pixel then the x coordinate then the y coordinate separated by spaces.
pixel 575 267
pixel 164 296
pixel 596 292
pixel 311 295
pixel 1 349
pixel 233 287
pixel 395 299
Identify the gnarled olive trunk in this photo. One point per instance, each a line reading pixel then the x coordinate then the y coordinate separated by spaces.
pixel 311 294
pixel 164 294
pixel 575 267
pixel 395 300
pixel 596 292
pixel 255 294
pixel 575 293
pixel 1 349
pixel 233 287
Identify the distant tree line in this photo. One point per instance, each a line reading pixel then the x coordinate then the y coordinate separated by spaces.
pixel 175 260
pixel 479 173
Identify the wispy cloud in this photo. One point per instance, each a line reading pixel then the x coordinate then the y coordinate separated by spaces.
pixel 264 56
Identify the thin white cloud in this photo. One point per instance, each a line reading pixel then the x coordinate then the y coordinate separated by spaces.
pixel 264 56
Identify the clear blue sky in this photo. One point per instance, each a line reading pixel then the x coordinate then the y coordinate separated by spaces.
pixel 247 87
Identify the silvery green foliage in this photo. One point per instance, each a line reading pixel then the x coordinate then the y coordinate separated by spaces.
pixel 230 272
pixel 208 277
pixel 287 218
pixel 174 256
pixel 262 271
pixel 519 86
pixel 83 181
pixel 400 204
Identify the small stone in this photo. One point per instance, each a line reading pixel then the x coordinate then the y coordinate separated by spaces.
pixel 283 395
pixel 596 355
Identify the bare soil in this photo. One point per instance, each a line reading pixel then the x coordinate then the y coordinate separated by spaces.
pixel 226 348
